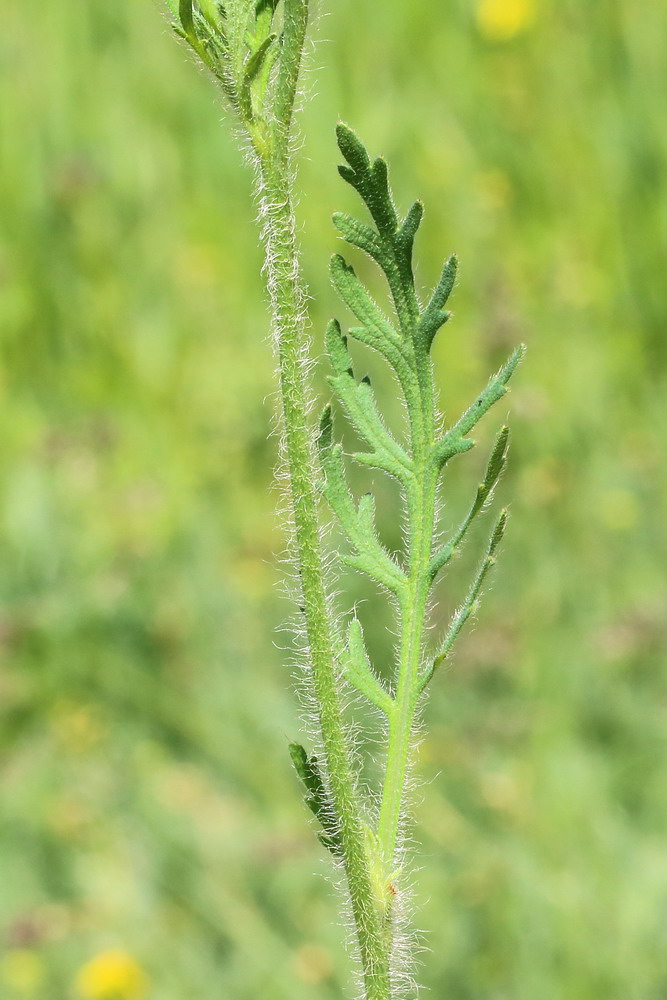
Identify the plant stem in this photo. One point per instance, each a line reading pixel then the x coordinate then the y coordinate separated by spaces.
pixel 413 609
pixel 287 301
pixel 287 298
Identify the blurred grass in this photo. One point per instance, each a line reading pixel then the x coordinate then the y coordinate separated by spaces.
pixel 145 694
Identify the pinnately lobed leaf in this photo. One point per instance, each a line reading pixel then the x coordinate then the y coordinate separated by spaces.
pixel 404 340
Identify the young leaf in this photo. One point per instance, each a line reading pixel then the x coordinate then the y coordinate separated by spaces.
pixel 359 402
pixel 494 468
pixel 360 235
pixel 187 17
pixel 434 316
pixel 469 606
pixel 405 237
pixel 369 179
pixel 358 523
pixel 253 68
pixel 359 672
pixel 316 797
pixel 355 296
pixel 495 390
pixel 295 21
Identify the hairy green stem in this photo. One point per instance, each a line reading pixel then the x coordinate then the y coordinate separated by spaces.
pixel 287 299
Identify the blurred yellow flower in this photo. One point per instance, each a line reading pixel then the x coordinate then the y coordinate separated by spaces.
pixel 77 727
pixel 500 20
pixel 22 971
pixel 112 975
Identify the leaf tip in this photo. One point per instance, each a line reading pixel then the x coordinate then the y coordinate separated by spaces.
pixel 324 438
pixel 499 530
pixel 299 757
pixel 343 132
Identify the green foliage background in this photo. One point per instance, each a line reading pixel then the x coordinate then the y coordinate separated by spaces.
pixel 145 692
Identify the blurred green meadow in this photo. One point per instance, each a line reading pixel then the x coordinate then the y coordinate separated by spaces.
pixel 153 842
